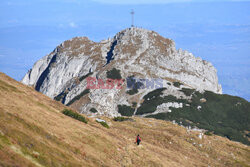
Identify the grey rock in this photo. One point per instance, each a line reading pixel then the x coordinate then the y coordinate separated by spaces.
pixel 135 52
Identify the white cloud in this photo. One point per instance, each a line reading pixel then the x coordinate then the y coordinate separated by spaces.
pixel 159 1
pixel 72 24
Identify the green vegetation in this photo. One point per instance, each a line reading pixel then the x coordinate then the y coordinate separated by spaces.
pixel 224 115
pixel 60 96
pixel 135 87
pixel 104 124
pixel 121 119
pixel 114 74
pixel 131 83
pixel 125 110
pixel 85 76
pixel 132 91
pixel 86 91
pixel 187 91
pixel 153 99
pixel 134 104
pixel 155 93
pixel 93 110
pixel 74 115
pixel 208 133
pixel 177 84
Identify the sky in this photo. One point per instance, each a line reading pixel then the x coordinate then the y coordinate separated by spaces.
pixel 215 30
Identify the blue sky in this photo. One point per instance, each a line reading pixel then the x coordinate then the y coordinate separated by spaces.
pixel 215 30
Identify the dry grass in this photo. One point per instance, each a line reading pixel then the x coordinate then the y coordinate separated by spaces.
pixel 33 132
pixel 161 42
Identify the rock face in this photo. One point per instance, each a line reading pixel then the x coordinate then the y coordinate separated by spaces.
pixel 133 52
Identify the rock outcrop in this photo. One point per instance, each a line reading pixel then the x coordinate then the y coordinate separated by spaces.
pixel 133 52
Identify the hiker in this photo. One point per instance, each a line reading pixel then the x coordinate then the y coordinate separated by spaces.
pixel 138 139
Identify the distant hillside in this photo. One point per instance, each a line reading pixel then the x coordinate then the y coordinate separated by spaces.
pixel 224 115
pixel 35 132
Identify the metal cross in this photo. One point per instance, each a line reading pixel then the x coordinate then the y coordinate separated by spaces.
pixel 132 14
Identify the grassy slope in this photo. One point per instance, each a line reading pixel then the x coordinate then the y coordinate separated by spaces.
pixel 33 132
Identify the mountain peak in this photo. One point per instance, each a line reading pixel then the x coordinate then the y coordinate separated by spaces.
pixel 134 31
pixel 133 52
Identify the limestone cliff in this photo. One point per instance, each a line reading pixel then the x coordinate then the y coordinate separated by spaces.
pixel 133 52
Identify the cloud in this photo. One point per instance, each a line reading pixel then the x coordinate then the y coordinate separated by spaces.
pixel 160 1
pixel 72 24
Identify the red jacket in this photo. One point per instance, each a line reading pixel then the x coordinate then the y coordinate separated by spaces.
pixel 138 138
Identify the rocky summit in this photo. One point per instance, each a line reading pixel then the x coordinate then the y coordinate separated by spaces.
pixel 134 56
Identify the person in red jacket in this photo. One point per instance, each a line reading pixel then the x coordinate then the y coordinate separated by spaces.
pixel 138 139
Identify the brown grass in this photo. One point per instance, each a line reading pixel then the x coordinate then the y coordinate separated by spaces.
pixel 162 43
pixel 33 132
